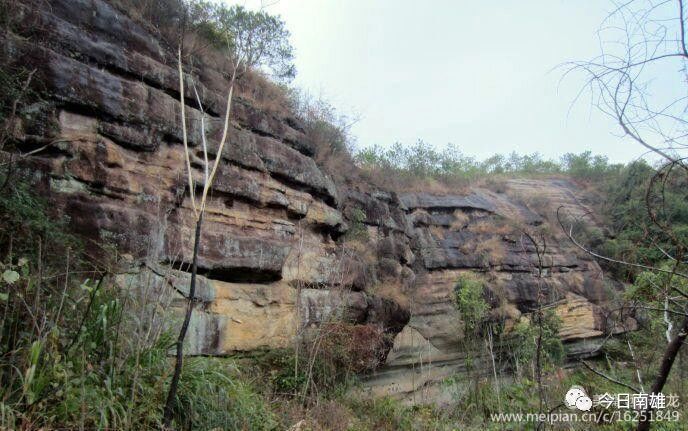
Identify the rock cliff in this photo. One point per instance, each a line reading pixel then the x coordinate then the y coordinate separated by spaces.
pixel 482 232
pixel 274 257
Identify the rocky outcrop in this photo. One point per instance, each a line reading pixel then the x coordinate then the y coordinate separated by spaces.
pixel 283 248
pixel 112 161
pixel 482 232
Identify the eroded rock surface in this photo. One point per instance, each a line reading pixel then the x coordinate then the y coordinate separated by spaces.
pixel 282 247
pixel 483 233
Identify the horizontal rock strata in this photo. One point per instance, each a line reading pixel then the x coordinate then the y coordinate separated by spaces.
pixel 283 248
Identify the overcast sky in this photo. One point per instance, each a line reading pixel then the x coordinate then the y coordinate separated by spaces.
pixel 479 74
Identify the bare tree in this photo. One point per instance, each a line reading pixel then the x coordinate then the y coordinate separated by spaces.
pixel 198 206
pixel 675 296
pixel 639 78
pixel 540 249
pixel 253 39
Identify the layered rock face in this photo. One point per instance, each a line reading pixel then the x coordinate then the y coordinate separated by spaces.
pixel 113 162
pixel 275 255
pixel 483 232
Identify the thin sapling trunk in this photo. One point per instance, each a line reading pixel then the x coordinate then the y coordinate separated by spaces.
pixel 172 393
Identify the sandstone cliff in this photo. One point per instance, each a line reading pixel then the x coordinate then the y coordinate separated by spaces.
pixel 274 255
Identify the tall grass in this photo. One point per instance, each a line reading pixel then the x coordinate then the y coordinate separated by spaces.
pixel 81 349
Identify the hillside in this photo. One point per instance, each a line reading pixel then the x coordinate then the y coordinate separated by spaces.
pixel 286 251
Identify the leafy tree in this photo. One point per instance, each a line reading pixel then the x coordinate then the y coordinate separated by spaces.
pixel 422 161
pixel 585 165
pixel 261 40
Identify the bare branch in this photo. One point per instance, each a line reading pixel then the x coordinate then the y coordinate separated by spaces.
pixel 611 379
pixel 184 135
pixel 683 29
pixel 569 234
pixel 203 137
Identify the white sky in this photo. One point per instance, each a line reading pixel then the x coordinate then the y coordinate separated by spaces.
pixel 474 73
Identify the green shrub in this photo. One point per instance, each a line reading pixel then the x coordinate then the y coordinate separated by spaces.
pixel 479 402
pixel 470 301
pixel 525 336
pixel 213 396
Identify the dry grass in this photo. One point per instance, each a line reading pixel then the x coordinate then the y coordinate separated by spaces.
pixel 162 17
pixel 460 220
pixel 350 348
pixel 394 291
pixel 537 201
pixel 361 250
pixel 496 184
pixel 402 182
pixel 490 225
pixel 507 312
pixel 492 248
pixel 339 165
pixel 483 225
pixel 264 94
pixel 331 415
pixel 438 232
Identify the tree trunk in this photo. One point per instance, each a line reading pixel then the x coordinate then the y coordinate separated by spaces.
pixel 538 359
pixel 172 393
pixel 668 359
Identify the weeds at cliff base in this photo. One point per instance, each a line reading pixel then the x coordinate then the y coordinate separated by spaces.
pixel 77 350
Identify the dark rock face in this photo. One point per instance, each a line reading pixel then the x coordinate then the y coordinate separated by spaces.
pixel 274 256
